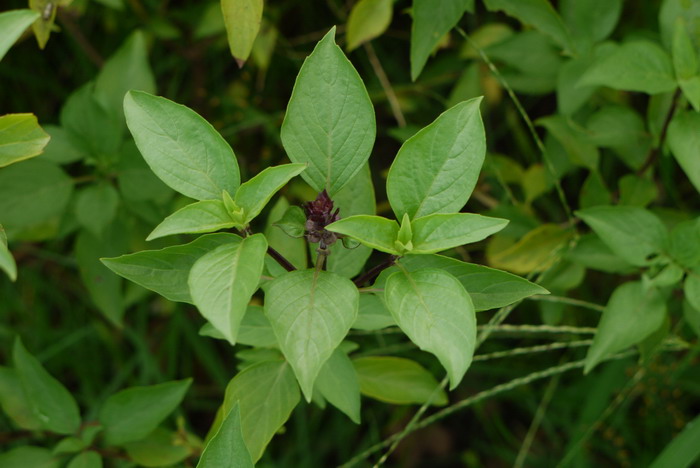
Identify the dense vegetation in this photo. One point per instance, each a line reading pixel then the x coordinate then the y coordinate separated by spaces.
pixel 428 233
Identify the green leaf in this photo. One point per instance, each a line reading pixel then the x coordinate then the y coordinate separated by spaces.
pixel 133 413
pixel 329 122
pixel 69 445
pixel 683 450
pixel 293 222
pixel 310 312
pixel 195 218
pixel 373 231
pixel 671 11
pixel 632 314
pixel 26 456
pixel 266 393
pixel 253 195
pixel 356 197
pixel 691 289
pixel 431 22
pixel 165 271
pixel 52 404
pixel 135 179
pixel 227 448
pixel 574 139
pixel 536 251
pixel 255 329
pixel 637 191
pixel 127 69
pixel 436 170
pixel 634 234
pixel 437 232
pixel 684 141
pixel 32 193
pixel 622 129
pixel 160 448
pixel 45 23
pixel 223 281
pixel 89 459
pixel 593 253
pixel 12 24
pixel 7 262
pixel 373 314
pixel 293 248
pixel 368 19
pixel 337 382
pixel 242 19
pixel 21 138
pixel 181 147
pixel 685 59
pixel 537 13
pixel 61 148
pixel 397 381
pixel 638 65
pixel 435 311
pixel 15 402
pixel 684 243
pixel 691 90
pixel 488 288
pixel 96 207
pixel 590 21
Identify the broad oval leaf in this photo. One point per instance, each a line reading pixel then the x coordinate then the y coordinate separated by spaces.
pixel 242 19
pixel 223 281
pixel 182 148
pixel 133 413
pixel 373 231
pixel 373 314
pixel 397 381
pixel 27 455
pixel 21 138
pixel 227 449
pixel 15 402
pixel 632 233
pixel 633 313
pixel 96 206
pixel 165 271
pixel 161 447
pixel 12 24
pixel 437 232
pixel 337 382
pixel 329 122
pixel 267 393
pixel 368 19
pixel 436 170
pixel 311 312
pixel 51 403
pixel 536 251
pixel 435 311
pixel 684 141
pixel 195 218
pixel 253 195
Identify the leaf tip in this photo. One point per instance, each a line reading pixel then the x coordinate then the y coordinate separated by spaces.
pixel 239 61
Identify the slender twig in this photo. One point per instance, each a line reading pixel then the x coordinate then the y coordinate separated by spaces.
pixel 386 84
pixel 370 274
pixel 655 151
pixel 279 258
pixel 568 300
pixel 543 329
pixel 532 349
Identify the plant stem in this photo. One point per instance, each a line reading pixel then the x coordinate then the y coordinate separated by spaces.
pixel 374 271
pixel 654 152
pixel 386 85
pixel 279 258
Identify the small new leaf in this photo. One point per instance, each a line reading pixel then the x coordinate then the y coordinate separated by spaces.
pixel 373 231
pixel 200 217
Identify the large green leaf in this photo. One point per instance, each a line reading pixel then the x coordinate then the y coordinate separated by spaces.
pixel 61 148
pixel 227 449
pixel 435 311
pixel 51 403
pixel 127 69
pixel 252 196
pixel 537 13
pixel 133 413
pixel 684 140
pixel 535 251
pixel 242 19
pixel 166 271
pixel 671 11
pixel 633 313
pixel 161 447
pixel 88 459
pixel 590 21
pixel 368 19
pixel 21 138
pixel 683 243
pixel 488 288
pixel 622 129
pixel 195 218
pixel 267 393
pixel 96 206
pixel 373 231
pixel 574 139
pixel 7 262
pixel 182 148
pixel 330 120
pixel 437 232
pixel 27 455
pixel 397 381
pixel 15 402
pixel 337 382
pixel 12 24
pixel 691 289
pixel 310 312
pixel 32 193
pixel 436 170
pixel 683 450
pixel 431 21
pixel 638 65
pixel 373 314
pixel 135 179
pixel 634 234
pixel 223 281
